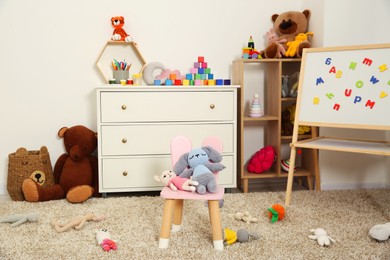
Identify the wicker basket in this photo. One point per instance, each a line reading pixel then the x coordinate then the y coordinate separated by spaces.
pixel 25 164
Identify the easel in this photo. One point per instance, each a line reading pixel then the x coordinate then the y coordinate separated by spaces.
pixel 342 87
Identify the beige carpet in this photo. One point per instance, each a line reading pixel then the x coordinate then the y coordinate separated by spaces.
pixel 135 222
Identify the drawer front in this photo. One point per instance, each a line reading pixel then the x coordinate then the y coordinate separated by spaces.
pixel 136 173
pixel 166 106
pixel 154 139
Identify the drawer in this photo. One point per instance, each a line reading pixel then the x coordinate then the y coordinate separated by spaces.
pixel 154 139
pixel 136 173
pixel 166 106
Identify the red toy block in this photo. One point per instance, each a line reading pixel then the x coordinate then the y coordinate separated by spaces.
pixel 200 59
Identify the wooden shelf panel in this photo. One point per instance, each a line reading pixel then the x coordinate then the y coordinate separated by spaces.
pixel 299 172
pixel 263 118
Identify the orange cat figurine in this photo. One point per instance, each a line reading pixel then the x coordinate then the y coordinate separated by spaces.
pixel 119 33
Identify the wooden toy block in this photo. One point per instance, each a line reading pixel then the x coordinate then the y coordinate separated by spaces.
pixel 192 82
pixel 203 76
pixel 198 82
pixel 205 82
pixel 226 82
pixel 198 76
pixel 194 70
pixel 210 76
pixel 188 76
pixel 172 76
pixel 211 82
pixel 196 65
pixel 168 82
pixel 200 70
pixel 204 65
pixel 200 59
pixel 157 82
pixel 186 82
pixel 177 82
pixel 207 71
pixel 219 82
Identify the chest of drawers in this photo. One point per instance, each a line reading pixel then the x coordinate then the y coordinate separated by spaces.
pixel 136 125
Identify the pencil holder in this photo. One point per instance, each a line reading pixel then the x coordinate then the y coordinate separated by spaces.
pixel 119 75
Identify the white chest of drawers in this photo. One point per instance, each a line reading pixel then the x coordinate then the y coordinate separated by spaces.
pixel 136 125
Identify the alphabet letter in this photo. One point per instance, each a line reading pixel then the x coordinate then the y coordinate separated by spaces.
pixel 332 70
pixel 319 81
pixel 348 92
pixel 352 65
pixel 328 61
pixel 357 99
pixel 329 95
pixel 359 84
pixel 316 101
pixel 336 107
pixel 367 61
pixel 370 104
pixel 374 80
pixel 383 67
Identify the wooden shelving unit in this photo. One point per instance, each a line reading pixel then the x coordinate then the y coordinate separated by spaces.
pixel 270 90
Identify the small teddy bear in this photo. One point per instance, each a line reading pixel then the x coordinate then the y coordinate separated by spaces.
pixel 245 216
pixel 170 179
pixel 321 236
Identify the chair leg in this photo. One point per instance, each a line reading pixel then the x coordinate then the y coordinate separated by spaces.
pixel 216 225
pixel 177 215
pixel 166 223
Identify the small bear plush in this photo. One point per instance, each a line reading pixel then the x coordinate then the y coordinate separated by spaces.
pixel 287 26
pixel 75 172
pixel 119 33
pixel 200 164
pixel 321 236
pixel 170 179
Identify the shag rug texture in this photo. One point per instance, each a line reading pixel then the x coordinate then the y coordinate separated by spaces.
pixel 135 222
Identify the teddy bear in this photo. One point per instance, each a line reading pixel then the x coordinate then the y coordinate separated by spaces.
pixel 287 26
pixel 119 33
pixel 200 164
pixel 75 172
pixel 170 179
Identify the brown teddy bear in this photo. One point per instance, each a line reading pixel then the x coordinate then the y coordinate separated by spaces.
pixel 287 26
pixel 75 172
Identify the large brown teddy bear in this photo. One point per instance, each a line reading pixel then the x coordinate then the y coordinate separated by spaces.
pixel 75 172
pixel 287 26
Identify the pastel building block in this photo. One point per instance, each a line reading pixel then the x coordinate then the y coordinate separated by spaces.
pixel 168 82
pixel 204 65
pixel 200 70
pixel 203 76
pixel 186 82
pixel 210 76
pixel 196 65
pixel 172 76
pixel 219 82
pixel 192 82
pixel 198 76
pixel 188 76
pixel 198 82
pixel 194 70
pixel 207 70
pixel 200 59
pixel 226 81
pixel 157 82
pixel 211 82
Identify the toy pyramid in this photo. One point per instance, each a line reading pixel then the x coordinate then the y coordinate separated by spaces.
pixel 255 109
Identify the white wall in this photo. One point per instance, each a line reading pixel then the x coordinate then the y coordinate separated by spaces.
pixel 48 51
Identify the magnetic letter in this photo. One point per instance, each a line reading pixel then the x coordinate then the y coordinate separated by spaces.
pixel 352 65
pixel 370 104
pixel 328 61
pixel 330 95
pixel 332 70
pixel 316 101
pixel 383 67
pixel 359 84
pixel 374 80
pixel 348 92
pixel 319 81
pixel 338 74
pixel 357 99
pixel 367 61
pixel 383 94
pixel 336 107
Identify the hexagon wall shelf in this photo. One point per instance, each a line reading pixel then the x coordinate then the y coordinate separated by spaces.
pixel 120 51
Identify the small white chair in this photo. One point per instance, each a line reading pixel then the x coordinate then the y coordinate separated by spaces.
pixel 174 200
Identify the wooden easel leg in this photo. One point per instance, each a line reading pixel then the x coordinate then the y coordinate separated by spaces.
pixel 166 223
pixel 216 225
pixel 290 175
pixel 177 215
pixel 245 185
pixel 316 170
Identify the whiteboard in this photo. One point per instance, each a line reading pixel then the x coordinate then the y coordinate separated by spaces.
pixel 345 87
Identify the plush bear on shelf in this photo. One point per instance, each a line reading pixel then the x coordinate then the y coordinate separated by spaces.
pixel 287 26
pixel 75 172
pixel 119 33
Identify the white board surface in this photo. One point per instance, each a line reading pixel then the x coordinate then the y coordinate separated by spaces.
pixel 345 87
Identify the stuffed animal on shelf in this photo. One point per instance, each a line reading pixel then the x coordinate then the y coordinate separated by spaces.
pixel 287 26
pixel 200 164
pixel 293 46
pixel 119 33
pixel 273 38
pixel 245 216
pixel 77 222
pixel 19 219
pixel 170 179
pixel 321 236
pixel 380 232
pixel 287 125
pixel 262 160
pixel 75 172
pixel 103 238
pixel 242 236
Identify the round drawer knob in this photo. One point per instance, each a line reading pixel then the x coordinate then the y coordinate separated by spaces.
pixel 124 107
pixel 124 140
pixel 212 106
pixel 124 173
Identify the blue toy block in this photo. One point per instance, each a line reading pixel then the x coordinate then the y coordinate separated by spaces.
pixel 200 70
pixel 168 82
pixel 219 82
pixel 210 76
pixel 157 82
pixel 226 81
pixel 188 76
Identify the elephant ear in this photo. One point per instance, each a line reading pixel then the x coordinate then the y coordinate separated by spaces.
pixel 214 155
pixel 181 164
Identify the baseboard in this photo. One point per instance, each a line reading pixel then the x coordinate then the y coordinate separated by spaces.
pixel 354 186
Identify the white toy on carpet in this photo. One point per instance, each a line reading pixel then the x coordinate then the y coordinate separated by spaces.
pixel 321 236
pixel 380 232
pixel 19 219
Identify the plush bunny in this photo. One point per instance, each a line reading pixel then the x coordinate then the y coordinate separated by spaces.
pixel 200 164
pixel 321 236
pixel 170 179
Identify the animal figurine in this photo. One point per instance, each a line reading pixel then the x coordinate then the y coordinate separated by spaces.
pixel 103 238
pixel 285 81
pixel 170 179
pixel 242 235
pixel 77 222
pixel 200 164
pixel 272 38
pixel 321 236
pixel 380 232
pixel 245 216
pixel 292 47
pixel 119 33
pixel 19 219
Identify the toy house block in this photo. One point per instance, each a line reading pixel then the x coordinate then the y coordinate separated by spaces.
pixel 188 76
pixel 211 82
pixel 207 71
pixel 219 82
pixel 198 82
pixel 177 82
pixel 194 70
pixel 197 76
pixel 172 76
pixel 186 82
pixel 196 65
pixel 168 82
pixel 204 65
pixel 210 76
pixel 200 59
pixel 200 70
pixel 226 82
pixel 157 82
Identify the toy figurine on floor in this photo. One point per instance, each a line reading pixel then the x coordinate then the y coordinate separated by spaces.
pixel 77 222
pixel 103 238
pixel 19 219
